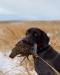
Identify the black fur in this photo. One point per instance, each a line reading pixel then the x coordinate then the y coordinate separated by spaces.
pixel 42 68
pixel 44 50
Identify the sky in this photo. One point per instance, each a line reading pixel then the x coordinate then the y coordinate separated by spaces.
pixel 29 9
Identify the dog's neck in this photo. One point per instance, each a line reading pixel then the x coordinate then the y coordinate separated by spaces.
pixel 42 49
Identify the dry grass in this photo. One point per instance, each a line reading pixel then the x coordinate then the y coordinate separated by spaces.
pixel 11 32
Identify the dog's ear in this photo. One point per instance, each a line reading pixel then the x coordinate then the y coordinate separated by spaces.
pixel 45 38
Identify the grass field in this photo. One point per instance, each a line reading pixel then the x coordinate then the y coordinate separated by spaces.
pixel 12 32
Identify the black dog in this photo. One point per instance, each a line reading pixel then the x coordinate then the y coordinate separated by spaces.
pixel 44 50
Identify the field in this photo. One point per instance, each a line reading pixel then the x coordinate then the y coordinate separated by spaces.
pixel 12 32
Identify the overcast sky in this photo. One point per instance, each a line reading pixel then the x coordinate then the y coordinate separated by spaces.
pixel 30 9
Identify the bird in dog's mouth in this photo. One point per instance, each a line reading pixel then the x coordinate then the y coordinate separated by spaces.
pixel 23 48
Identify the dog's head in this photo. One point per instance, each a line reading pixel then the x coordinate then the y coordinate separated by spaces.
pixel 36 35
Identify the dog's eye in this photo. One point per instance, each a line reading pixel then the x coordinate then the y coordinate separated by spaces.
pixel 35 34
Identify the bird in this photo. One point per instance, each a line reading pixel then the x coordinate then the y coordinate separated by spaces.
pixel 22 48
